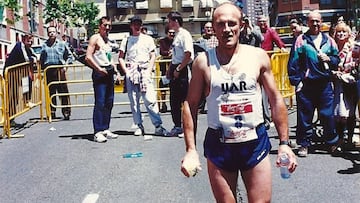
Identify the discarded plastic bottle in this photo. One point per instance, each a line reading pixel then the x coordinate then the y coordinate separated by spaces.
pixel 133 155
pixel 284 164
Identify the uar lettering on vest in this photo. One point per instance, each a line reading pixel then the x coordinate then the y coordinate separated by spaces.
pixel 231 87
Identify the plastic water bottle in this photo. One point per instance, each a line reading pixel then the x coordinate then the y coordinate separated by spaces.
pixel 133 155
pixel 326 65
pixel 284 164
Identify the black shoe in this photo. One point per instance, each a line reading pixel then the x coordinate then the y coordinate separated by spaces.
pixel 66 117
pixel 163 108
pixel 15 125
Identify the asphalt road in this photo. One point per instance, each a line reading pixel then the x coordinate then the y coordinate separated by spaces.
pixel 58 162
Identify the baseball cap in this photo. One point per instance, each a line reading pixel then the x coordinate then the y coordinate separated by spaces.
pixel 135 19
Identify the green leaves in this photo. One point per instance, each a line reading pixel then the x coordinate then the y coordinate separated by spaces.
pixel 75 13
pixel 71 13
pixel 14 8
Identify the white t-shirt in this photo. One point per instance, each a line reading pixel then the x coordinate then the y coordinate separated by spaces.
pixel 138 48
pixel 182 43
pixel 317 40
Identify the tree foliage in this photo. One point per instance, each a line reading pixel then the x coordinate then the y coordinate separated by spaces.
pixel 14 7
pixel 72 13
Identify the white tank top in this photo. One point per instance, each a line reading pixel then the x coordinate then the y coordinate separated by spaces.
pixel 102 56
pixel 234 102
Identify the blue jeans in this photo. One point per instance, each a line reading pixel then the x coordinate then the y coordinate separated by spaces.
pixel 149 98
pixel 104 101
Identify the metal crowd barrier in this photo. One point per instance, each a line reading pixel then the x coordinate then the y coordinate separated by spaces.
pixel 279 63
pixel 2 106
pixel 78 79
pixel 19 93
pixel 158 77
pixel 16 98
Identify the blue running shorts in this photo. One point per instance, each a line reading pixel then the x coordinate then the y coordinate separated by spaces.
pixel 236 156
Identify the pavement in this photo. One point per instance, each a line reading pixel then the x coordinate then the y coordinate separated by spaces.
pixel 59 162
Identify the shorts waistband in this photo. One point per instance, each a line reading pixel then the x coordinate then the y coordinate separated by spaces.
pixel 219 131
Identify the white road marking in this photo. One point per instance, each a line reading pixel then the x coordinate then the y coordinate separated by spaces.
pixel 91 198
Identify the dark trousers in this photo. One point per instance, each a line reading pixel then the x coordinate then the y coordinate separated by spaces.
pixel 315 95
pixel 58 75
pixel 178 91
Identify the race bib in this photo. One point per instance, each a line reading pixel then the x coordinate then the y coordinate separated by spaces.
pixel 236 120
pixel 238 135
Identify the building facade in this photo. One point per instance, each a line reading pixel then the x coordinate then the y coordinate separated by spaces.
pixel 30 22
pixel 288 9
pixel 153 12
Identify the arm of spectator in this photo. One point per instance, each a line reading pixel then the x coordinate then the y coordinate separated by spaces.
pixel 333 55
pixel 186 60
pixel 257 34
pixel 294 72
pixel 42 56
pixel 277 40
pixel 151 61
pixel 122 53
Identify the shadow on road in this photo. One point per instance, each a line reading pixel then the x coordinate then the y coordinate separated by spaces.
pixel 90 137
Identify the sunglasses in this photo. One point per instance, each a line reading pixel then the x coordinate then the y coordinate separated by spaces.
pixel 107 25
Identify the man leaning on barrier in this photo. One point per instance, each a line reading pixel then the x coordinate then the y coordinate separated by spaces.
pixel 22 52
pixel 56 52
pixel 166 53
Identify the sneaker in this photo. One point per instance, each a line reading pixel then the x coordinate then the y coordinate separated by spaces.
pixel 161 131
pixel 303 152
pixel 16 125
pixel 110 135
pixel 181 135
pixel 66 116
pixel 175 132
pixel 163 109
pixel 99 137
pixel 139 131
